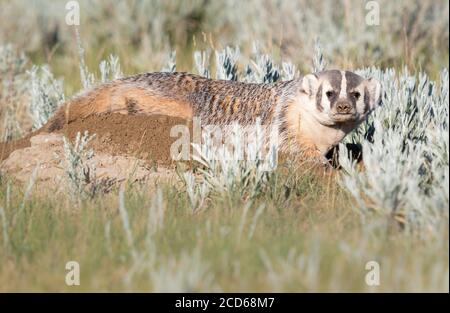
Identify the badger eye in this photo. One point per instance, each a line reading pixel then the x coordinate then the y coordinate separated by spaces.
pixel 330 94
pixel 356 95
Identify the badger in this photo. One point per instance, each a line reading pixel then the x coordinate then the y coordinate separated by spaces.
pixel 311 114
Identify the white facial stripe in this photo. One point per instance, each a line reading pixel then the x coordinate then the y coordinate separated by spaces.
pixel 325 101
pixel 343 93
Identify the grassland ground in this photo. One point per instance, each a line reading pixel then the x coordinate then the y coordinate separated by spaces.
pixel 299 235
pixel 235 228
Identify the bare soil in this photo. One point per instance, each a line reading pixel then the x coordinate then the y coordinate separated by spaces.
pixel 141 136
pixel 122 143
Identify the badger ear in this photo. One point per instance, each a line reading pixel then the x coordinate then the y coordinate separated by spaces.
pixel 374 89
pixel 310 83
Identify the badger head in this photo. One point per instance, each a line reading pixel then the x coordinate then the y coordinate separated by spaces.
pixel 339 97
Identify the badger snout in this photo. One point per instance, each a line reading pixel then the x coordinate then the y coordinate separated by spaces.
pixel 343 111
pixel 344 107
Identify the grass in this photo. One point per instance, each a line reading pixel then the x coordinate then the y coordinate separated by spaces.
pixel 301 242
pixel 414 33
pixel 225 228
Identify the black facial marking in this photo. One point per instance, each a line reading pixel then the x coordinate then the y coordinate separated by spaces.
pixel 334 77
pixel 131 105
pixel 353 81
pixel 366 100
pixel 319 99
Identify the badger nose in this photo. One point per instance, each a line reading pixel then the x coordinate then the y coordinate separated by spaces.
pixel 343 107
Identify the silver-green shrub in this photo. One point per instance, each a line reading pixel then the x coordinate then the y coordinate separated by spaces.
pixel 46 94
pixel 79 171
pixel 405 149
pixel 12 91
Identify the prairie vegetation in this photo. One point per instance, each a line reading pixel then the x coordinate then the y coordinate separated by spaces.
pixel 232 226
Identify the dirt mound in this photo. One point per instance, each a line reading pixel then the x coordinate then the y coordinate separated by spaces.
pixel 141 136
pixel 45 155
pixel 6 148
pixel 122 143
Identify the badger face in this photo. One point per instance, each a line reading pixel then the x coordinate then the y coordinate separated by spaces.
pixel 340 97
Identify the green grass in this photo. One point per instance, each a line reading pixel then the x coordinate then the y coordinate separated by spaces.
pixel 303 231
pixel 304 240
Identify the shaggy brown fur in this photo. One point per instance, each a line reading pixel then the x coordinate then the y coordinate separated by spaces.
pixel 286 105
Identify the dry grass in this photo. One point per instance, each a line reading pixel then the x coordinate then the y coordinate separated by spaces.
pixel 297 229
pixel 302 241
